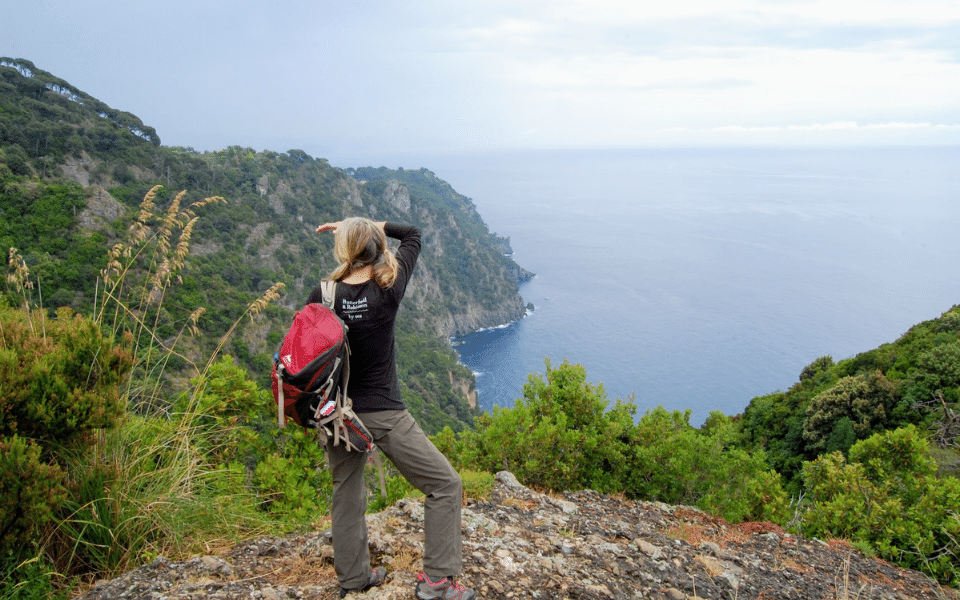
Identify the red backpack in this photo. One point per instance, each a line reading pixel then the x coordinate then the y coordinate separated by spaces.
pixel 310 375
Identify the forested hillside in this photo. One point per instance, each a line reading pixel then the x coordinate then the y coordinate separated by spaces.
pixel 913 381
pixel 76 171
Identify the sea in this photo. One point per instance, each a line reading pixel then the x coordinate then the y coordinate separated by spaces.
pixel 698 279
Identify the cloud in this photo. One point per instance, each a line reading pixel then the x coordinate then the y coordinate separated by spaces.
pixel 433 74
pixel 761 12
pixel 848 133
pixel 836 126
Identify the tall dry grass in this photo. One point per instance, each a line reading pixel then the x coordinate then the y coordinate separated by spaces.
pixel 147 488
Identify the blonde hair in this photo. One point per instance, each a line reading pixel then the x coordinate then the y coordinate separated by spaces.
pixel 360 242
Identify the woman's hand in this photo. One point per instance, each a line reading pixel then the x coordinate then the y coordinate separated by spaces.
pixel 336 225
pixel 329 226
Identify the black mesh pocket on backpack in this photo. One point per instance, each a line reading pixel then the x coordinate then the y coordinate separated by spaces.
pixel 358 435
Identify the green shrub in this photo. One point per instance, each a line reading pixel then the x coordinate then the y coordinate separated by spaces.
pixel 865 401
pixel 59 377
pixel 560 435
pixel 294 481
pixel 674 463
pixel 17 160
pixel 30 492
pixel 887 495
pixel 820 365
pixel 232 416
pixel 59 381
pixel 936 377
pixel 397 488
pixel 563 436
pixel 477 484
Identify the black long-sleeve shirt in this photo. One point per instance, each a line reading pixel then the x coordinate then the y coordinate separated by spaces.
pixel 370 313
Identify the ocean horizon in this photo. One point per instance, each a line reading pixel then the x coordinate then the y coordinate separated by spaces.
pixel 701 278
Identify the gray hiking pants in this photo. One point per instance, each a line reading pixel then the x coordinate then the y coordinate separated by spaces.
pixel 400 438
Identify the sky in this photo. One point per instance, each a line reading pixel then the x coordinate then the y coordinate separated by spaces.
pixel 357 80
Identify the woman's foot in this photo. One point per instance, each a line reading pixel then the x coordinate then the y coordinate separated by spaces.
pixel 445 589
pixel 377 578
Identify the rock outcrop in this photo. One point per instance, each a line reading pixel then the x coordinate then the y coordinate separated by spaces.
pixel 101 210
pixel 398 196
pixel 522 544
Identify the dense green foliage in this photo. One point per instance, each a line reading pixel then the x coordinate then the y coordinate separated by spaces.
pixel 856 438
pixel 561 435
pixel 236 420
pixel 888 497
pixel 678 464
pixel 59 383
pixel 914 380
pixel 49 119
pixel 859 405
pixel 884 492
pixel 558 436
pixel 40 219
pixel 60 377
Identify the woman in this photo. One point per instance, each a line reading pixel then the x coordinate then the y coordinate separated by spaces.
pixel 371 283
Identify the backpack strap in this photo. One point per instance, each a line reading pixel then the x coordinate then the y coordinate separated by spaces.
pixel 329 292
pixel 329 289
pixel 281 418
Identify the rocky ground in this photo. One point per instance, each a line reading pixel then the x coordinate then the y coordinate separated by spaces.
pixel 522 544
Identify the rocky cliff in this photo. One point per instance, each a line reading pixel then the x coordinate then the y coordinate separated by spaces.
pixel 522 544
pixel 464 267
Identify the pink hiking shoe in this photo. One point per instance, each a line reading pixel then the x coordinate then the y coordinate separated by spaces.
pixel 445 589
